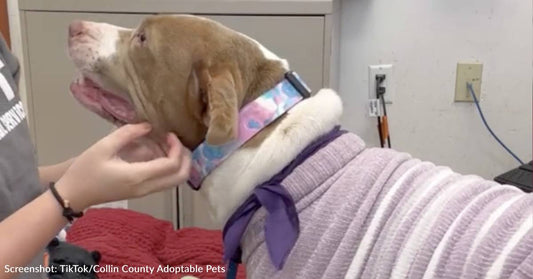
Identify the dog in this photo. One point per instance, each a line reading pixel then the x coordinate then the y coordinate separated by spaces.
pixel 339 209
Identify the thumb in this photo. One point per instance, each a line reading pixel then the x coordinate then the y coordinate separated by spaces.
pixel 124 135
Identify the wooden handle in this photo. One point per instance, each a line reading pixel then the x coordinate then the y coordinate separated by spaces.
pixel 4 21
pixel 384 128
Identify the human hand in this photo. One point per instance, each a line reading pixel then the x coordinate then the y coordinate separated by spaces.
pixel 52 173
pixel 99 175
pixel 142 149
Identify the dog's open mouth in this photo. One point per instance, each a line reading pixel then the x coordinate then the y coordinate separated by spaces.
pixel 112 107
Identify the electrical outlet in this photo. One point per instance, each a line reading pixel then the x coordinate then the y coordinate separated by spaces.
pixel 388 83
pixel 468 72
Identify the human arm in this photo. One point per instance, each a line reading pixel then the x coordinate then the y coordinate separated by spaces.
pixel 139 149
pixel 27 231
pixel 52 173
pixel 95 177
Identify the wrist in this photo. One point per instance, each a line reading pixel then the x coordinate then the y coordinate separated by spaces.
pixel 52 173
pixel 74 199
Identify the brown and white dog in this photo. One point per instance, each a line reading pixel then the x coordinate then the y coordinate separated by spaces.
pixel 371 213
pixel 190 75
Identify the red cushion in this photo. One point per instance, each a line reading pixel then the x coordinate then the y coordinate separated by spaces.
pixel 127 238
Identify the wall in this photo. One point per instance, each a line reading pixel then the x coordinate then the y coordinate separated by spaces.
pixel 425 40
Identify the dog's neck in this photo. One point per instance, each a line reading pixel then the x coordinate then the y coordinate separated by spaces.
pixel 274 147
pixel 271 150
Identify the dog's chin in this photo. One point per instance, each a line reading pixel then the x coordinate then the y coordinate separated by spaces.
pixel 119 111
pixel 110 106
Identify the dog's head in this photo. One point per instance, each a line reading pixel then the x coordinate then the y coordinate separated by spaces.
pixel 183 74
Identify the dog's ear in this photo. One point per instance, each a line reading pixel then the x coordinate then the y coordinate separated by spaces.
pixel 217 91
pixel 53 243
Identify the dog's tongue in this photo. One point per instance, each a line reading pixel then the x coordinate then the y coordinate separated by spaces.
pixel 117 106
pixel 97 99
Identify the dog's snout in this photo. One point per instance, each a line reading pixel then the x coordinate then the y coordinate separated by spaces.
pixel 76 28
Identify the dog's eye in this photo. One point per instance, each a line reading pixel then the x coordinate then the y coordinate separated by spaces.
pixel 142 37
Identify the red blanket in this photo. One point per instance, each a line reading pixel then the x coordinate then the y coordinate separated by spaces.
pixel 131 244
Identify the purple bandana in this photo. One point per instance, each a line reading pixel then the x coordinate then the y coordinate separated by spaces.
pixel 282 224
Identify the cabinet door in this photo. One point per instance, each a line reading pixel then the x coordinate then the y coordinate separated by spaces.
pixel 299 39
pixel 62 128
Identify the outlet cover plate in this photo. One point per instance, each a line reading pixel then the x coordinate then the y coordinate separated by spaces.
pixel 386 69
pixel 468 72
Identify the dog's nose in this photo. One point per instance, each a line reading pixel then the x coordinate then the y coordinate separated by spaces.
pixel 76 28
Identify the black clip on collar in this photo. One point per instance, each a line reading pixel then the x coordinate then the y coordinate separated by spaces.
pixel 295 80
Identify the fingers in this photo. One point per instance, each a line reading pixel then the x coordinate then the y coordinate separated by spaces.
pixel 141 150
pixel 172 163
pixel 165 182
pixel 174 145
pixel 124 135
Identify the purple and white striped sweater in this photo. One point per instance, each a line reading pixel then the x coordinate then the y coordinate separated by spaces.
pixel 378 213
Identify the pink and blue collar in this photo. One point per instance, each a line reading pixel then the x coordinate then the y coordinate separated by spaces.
pixel 253 117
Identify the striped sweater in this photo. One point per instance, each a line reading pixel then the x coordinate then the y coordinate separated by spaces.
pixel 378 213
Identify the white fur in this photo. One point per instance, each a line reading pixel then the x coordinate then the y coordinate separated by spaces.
pixel 109 36
pixel 98 42
pixel 233 181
